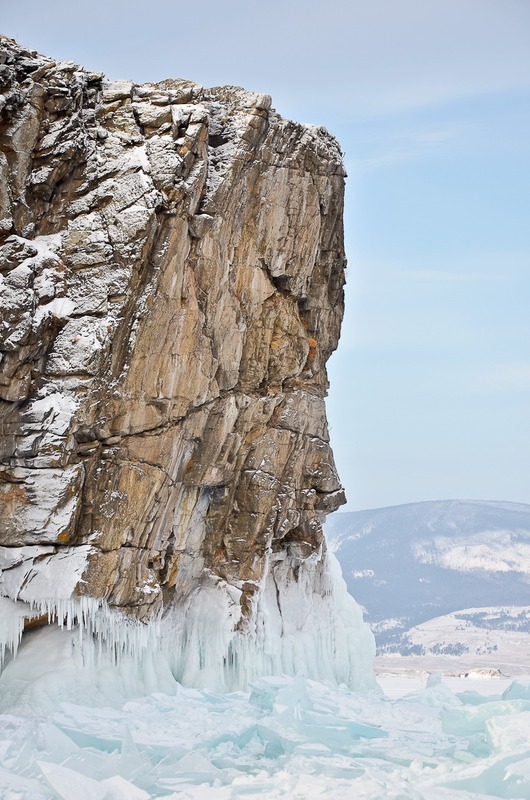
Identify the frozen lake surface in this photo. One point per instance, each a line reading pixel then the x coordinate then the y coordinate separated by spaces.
pixel 288 737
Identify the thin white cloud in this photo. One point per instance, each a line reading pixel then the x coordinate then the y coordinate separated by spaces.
pixel 370 56
pixel 504 378
pixel 399 147
pixel 398 306
pixel 446 276
pixel 421 54
pixel 477 267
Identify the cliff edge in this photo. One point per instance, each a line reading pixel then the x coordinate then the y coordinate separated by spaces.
pixel 171 287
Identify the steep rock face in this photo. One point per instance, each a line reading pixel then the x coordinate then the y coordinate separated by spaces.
pixel 172 272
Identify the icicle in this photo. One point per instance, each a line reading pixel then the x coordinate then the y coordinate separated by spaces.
pixel 118 634
pixel 304 622
pixel 12 618
pixel 306 625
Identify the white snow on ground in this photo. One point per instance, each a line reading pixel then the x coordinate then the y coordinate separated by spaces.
pixel 463 629
pixel 490 638
pixel 495 551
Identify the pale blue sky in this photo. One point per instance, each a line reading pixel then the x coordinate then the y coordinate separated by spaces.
pixel 430 100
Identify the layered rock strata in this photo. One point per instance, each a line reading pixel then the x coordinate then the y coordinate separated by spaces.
pixel 171 278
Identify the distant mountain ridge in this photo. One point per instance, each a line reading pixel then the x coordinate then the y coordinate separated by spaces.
pixel 407 564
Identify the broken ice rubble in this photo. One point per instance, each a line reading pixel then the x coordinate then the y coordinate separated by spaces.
pixel 286 737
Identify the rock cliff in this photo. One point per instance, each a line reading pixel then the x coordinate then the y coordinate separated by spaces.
pixel 171 286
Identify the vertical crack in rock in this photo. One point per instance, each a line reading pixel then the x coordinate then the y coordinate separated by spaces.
pixel 171 286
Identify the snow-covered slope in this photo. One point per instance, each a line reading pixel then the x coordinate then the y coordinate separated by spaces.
pixel 408 564
pixel 487 642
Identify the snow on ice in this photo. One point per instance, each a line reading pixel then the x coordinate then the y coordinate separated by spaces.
pixel 91 710
pixel 285 737
pixel 79 725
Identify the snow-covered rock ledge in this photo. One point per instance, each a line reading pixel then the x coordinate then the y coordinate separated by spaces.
pixel 171 287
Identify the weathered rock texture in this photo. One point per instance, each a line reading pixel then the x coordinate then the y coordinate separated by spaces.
pixel 172 274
